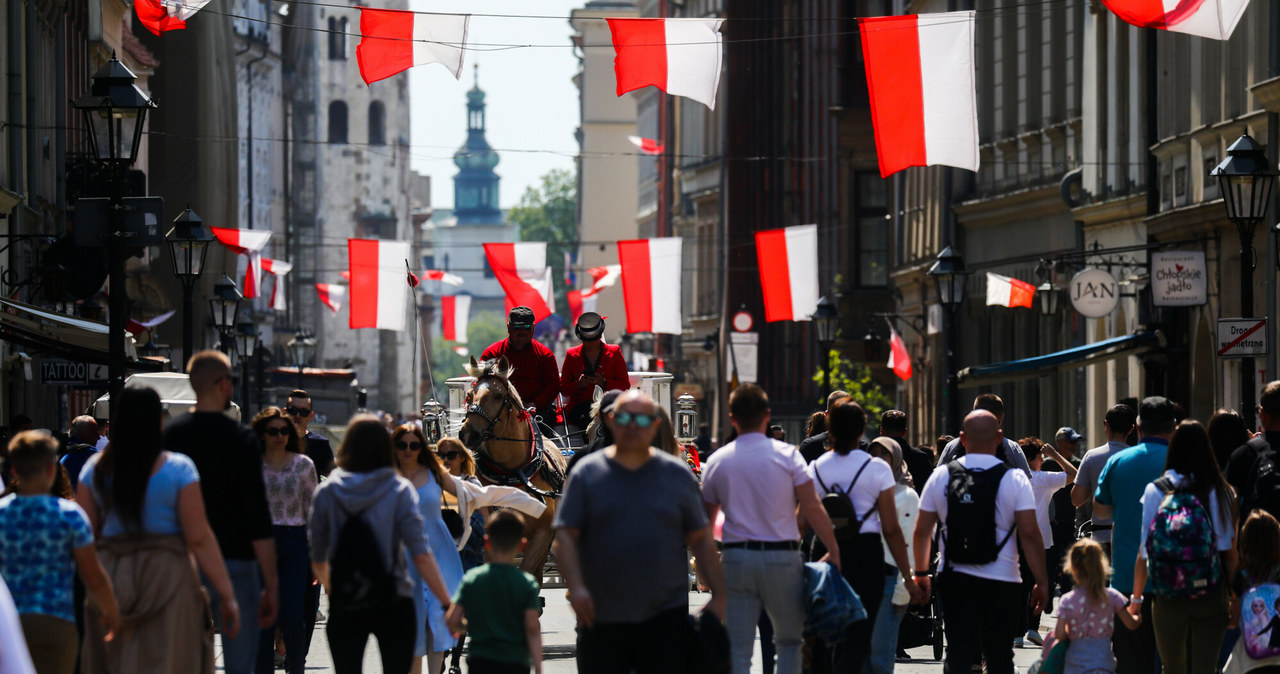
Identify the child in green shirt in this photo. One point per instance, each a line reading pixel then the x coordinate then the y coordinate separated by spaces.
pixel 498 604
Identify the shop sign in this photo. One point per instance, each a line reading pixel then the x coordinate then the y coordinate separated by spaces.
pixel 1178 278
pixel 1094 293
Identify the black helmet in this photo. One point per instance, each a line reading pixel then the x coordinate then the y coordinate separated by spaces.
pixel 590 326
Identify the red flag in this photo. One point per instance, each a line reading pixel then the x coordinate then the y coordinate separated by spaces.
pixel 679 56
pixel 602 277
pixel 1003 291
pixel 1214 19
pixel 378 292
pixel 242 241
pixel 442 276
pixel 521 269
pixel 899 357
pixel 646 145
pixel 454 312
pixel 332 295
pixel 253 275
pixel 575 305
pixel 651 284
pixel 392 41
pixel 788 261
pixel 159 16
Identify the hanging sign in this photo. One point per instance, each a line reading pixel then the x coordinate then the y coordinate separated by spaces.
pixel 1178 278
pixel 1242 337
pixel 1094 293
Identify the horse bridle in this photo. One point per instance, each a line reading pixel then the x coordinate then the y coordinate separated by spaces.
pixel 487 433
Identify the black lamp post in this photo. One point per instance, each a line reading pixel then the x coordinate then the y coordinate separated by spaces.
pixel 224 306
pixel 302 346
pixel 1246 178
pixel 115 111
pixel 188 241
pixel 826 322
pixel 246 340
pixel 949 273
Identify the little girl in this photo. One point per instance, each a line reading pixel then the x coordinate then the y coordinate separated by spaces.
pixel 1259 544
pixel 1084 614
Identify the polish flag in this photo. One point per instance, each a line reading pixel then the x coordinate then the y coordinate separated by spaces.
pixel 159 16
pixel 136 327
pixel 580 303
pixel 788 260
pixel 651 284
pixel 1003 291
pixel 601 278
pixel 242 241
pixel 920 74
pixel 332 295
pixel 378 291
pixel 278 269
pixel 392 41
pixel 454 311
pixel 442 276
pixel 252 275
pixel 646 145
pixel 521 269
pixel 1214 19
pixel 899 357
pixel 679 56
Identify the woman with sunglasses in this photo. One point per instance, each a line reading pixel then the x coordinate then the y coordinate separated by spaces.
pixel 461 465
pixel 290 479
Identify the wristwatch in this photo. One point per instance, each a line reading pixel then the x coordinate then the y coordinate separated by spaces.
pixel 922 574
pixel 1135 599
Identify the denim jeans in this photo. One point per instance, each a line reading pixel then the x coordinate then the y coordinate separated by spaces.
pixel 884 634
pixel 240 653
pixel 774 580
pixel 294 571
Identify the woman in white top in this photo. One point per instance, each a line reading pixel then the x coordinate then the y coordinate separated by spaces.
pixel 869 483
pixel 893 603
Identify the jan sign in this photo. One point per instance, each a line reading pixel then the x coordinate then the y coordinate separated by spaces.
pixel 1094 293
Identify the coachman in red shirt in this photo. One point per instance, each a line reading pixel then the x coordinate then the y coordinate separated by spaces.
pixel 534 376
pixel 588 365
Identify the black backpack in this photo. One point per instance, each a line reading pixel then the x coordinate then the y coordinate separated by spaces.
pixel 970 528
pixel 1264 490
pixel 359 577
pixel 844 519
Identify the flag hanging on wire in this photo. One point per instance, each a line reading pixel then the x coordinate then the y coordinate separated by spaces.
pixel 521 269
pixel 379 293
pixel 455 310
pixel 392 41
pixel 601 278
pixel 651 270
pixel 242 241
pixel 1003 291
pixel 442 276
pixel 788 263
pixel 332 295
pixel 159 16
pixel 920 74
pixel 1215 19
pixel 679 56
pixel 136 327
pixel 278 269
pixel 899 357
pixel 646 145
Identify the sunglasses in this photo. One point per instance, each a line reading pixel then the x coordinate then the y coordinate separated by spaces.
pixel 298 411
pixel 411 446
pixel 276 431
pixel 627 419
pixel 448 456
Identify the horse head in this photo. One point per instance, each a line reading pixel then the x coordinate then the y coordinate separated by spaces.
pixel 491 398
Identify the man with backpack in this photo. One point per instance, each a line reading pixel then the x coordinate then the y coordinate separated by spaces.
pixel 1121 484
pixel 1008 451
pixel 1253 468
pixel 981 504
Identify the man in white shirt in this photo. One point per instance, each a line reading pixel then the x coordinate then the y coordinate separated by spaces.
pixel 758 482
pixel 982 596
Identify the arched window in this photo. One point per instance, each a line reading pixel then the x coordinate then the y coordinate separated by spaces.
pixel 337 122
pixel 377 123
pixel 337 39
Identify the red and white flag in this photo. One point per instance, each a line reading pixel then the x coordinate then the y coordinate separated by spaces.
pixel 252 275
pixel 242 241
pixel 278 269
pixel 601 278
pixel 920 74
pixel 788 260
pixel 332 295
pixel 646 145
pixel 392 41
pixel 679 56
pixel 454 312
pixel 1003 291
pixel 159 16
pixel 1214 19
pixel 579 303
pixel 379 294
pixel 521 269
pixel 899 357
pixel 136 327
pixel 442 276
pixel 651 284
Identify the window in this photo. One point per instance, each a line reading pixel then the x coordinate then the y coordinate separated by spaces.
pixel 337 38
pixel 337 122
pixel 872 230
pixel 377 123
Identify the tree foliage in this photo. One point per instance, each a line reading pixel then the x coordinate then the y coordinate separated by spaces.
pixel 549 213
pixel 482 330
pixel 857 381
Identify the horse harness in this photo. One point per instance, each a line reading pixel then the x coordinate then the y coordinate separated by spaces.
pixel 523 475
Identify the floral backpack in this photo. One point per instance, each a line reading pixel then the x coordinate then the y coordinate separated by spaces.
pixel 1182 553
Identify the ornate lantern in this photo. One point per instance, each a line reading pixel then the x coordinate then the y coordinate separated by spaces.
pixel 686 418
pixel 434 420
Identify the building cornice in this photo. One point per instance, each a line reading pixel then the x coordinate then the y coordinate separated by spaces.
pixel 1017 206
pixel 1112 211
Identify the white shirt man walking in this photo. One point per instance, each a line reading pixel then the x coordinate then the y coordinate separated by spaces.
pixel 759 482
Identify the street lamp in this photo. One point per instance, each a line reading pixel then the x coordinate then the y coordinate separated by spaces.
pixel 246 340
pixel 1246 178
pixel 115 111
pixel 224 305
pixel 826 322
pixel 302 346
pixel 188 241
pixel 949 273
pixel 1048 296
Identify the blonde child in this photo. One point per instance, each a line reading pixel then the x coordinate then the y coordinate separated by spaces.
pixel 1085 613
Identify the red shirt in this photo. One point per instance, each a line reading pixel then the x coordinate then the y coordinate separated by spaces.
pixel 535 371
pixel 612 365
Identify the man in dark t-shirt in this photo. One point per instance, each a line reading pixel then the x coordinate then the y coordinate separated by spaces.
pixel 813 447
pixel 229 458
pixel 300 408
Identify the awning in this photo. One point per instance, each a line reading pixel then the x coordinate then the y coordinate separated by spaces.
pixel 60 335
pixel 1089 354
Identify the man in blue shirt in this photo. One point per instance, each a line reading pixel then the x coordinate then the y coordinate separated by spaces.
pixel 1119 496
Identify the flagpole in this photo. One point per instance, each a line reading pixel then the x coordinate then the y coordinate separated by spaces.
pixel 419 343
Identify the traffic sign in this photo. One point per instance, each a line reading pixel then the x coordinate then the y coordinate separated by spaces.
pixel 742 321
pixel 1242 337
pixel 59 371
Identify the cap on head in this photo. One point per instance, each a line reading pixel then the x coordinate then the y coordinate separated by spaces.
pixel 520 318
pixel 1157 411
pixel 589 327
pixel 1067 434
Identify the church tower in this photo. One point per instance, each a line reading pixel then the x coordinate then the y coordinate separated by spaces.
pixel 475 187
